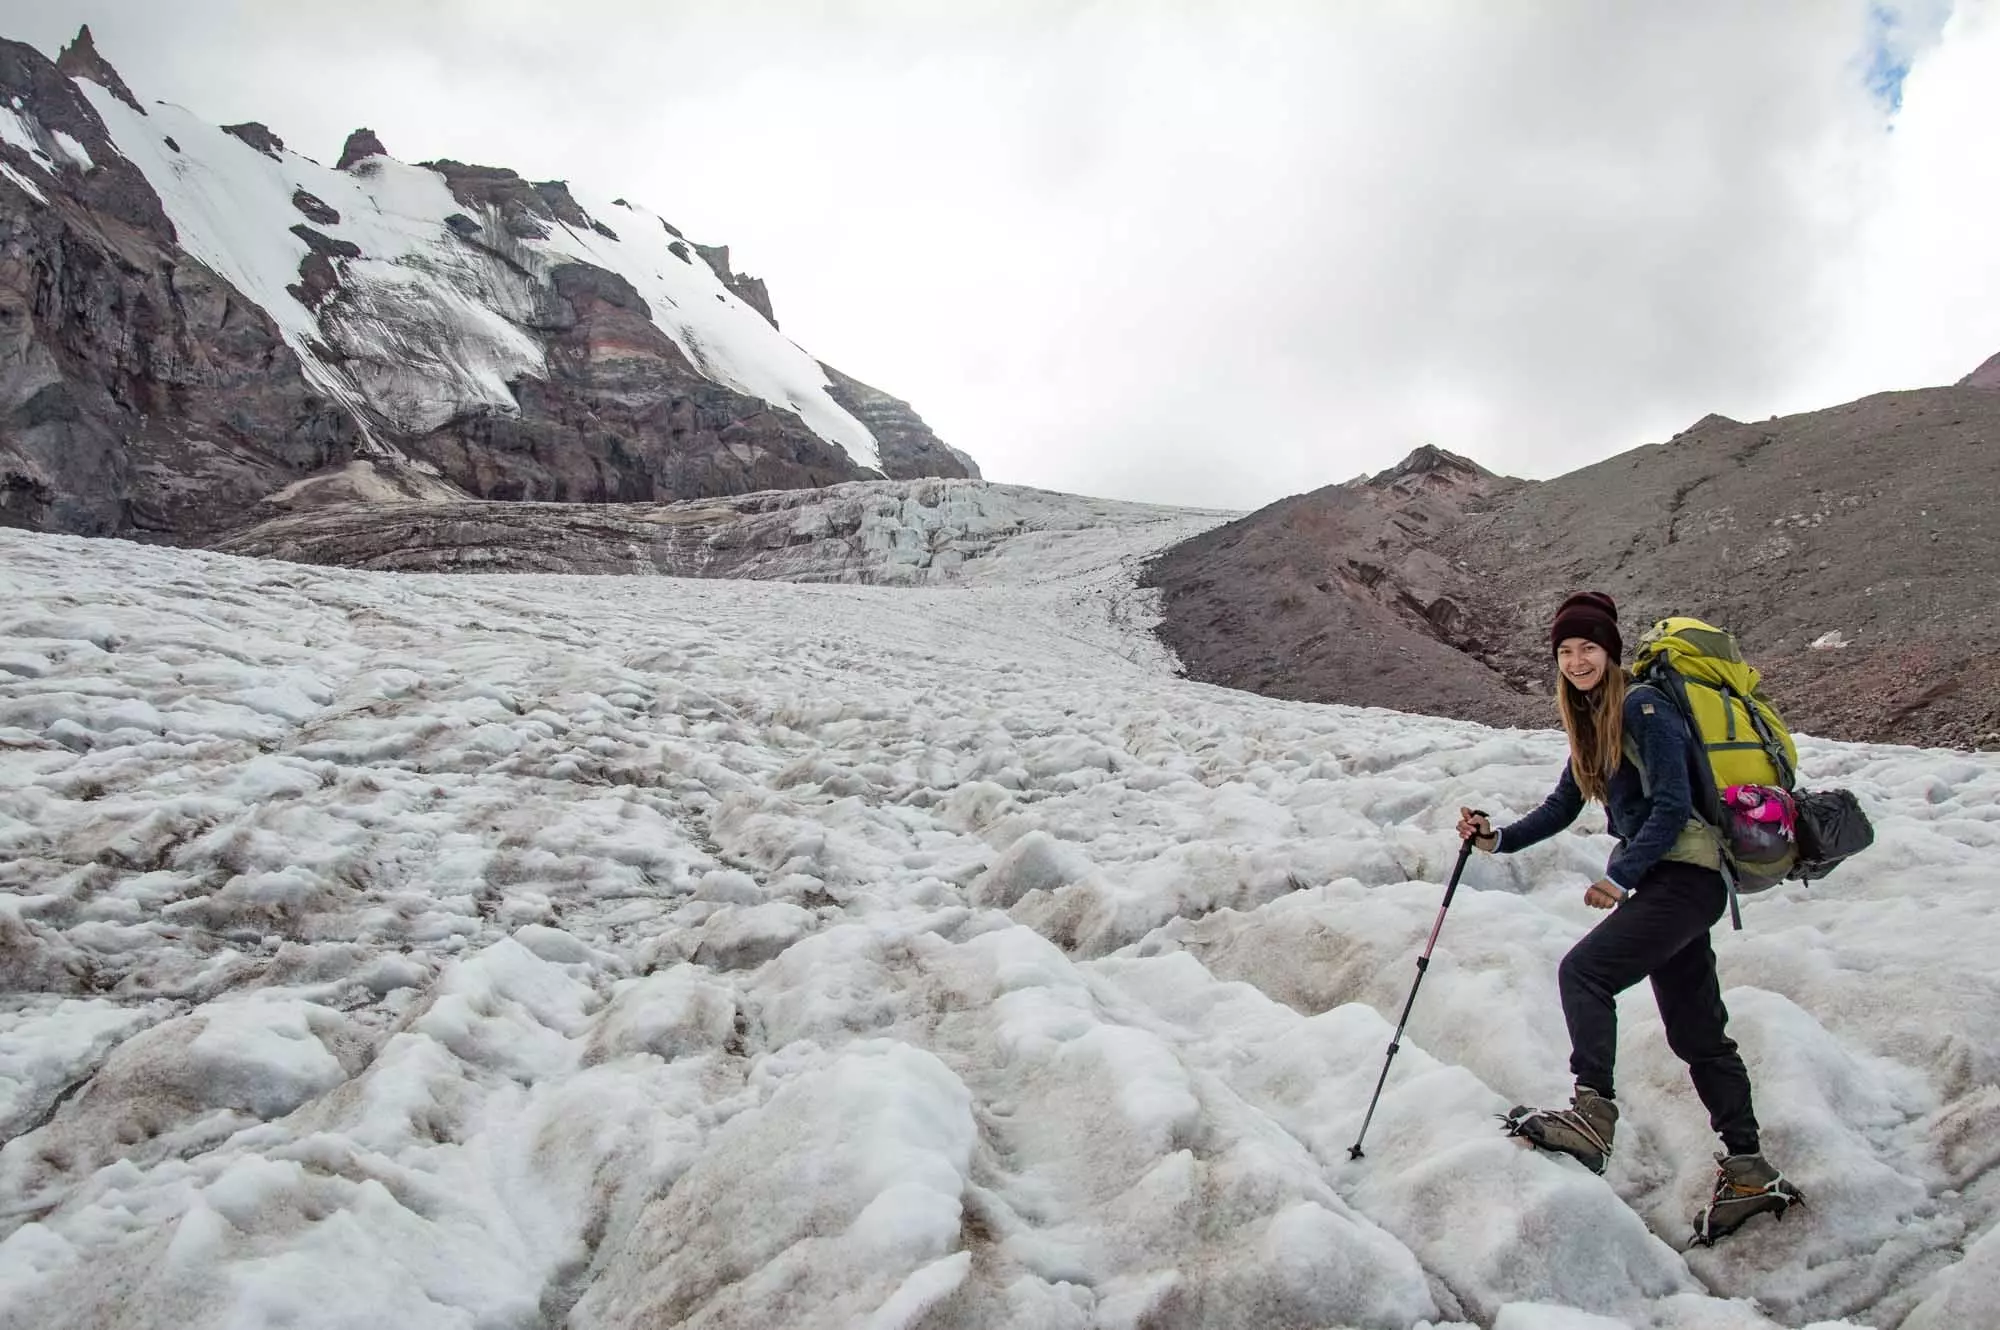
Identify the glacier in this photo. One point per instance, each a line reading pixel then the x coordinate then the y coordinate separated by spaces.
pixel 516 950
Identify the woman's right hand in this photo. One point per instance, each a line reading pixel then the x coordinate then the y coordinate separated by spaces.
pixel 1474 827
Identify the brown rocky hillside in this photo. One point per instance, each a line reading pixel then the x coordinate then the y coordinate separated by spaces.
pixel 1855 550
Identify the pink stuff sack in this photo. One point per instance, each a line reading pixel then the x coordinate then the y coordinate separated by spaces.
pixel 1763 804
pixel 1760 823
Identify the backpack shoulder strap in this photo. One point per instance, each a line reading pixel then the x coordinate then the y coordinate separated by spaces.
pixel 1663 680
pixel 1638 764
pixel 1646 690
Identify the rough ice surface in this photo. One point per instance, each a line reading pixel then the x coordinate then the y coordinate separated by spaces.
pixel 432 327
pixel 417 951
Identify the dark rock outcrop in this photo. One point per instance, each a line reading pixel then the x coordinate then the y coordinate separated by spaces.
pixel 320 243
pixel 259 137
pixel 1853 551
pixel 523 211
pixel 315 208
pixel 319 278
pixel 562 205
pixel 360 146
pixel 749 290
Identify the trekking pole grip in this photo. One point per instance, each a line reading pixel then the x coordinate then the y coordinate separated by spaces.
pixel 1465 848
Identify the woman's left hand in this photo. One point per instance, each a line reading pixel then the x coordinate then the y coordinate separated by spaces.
pixel 1603 894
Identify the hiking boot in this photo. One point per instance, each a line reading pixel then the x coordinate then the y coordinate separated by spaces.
pixel 1582 1131
pixel 1745 1187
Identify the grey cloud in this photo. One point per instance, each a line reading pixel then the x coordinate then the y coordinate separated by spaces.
pixel 1185 252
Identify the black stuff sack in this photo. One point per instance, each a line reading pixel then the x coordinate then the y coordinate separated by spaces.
pixel 1831 827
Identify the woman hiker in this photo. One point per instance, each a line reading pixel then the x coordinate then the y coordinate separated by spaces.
pixel 1664 890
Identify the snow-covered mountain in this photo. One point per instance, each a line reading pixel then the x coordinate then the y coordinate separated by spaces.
pixel 206 317
pixel 418 950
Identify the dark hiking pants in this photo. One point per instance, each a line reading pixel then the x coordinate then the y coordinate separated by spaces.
pixel 1660 932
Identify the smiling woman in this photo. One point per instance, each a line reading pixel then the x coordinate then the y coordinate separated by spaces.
pixel 1629 750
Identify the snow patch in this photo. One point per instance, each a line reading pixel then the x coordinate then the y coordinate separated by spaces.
pixel 17 132
pixel 265 1055
pixel 73 150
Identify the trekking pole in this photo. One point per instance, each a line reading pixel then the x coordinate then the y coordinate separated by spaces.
pixel 1423 964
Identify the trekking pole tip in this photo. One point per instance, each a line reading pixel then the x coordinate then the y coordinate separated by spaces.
pixel 1354 1151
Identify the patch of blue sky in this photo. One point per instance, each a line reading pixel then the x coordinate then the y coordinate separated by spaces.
pixel 1894 33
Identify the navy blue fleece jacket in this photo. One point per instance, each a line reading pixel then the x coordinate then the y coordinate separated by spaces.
pixel 1646 825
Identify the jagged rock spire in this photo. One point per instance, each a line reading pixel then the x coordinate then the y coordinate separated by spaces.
pixel 80 60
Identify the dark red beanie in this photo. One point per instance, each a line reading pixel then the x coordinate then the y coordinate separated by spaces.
pixel 1592 616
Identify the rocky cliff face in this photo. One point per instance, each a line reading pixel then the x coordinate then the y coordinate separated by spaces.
pixel 139 392
pixel 195 318
pixel 1853 550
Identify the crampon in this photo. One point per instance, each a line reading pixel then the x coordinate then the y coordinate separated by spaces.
pixel 1583 1131
pixel 1745 1187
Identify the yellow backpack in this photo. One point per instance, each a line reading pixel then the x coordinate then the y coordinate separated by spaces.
pixel 1700 670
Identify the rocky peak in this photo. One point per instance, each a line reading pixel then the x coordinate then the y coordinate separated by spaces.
pixel 1430 467
pixel 50 102
pixel 361 145
pixel 1986 376
pixel 1712 420
pixel 1430 457
pixel 80 60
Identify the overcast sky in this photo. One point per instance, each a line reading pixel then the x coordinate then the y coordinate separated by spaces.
pixel 1217 253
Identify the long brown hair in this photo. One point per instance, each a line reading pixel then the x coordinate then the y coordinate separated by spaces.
pixel 1595 723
